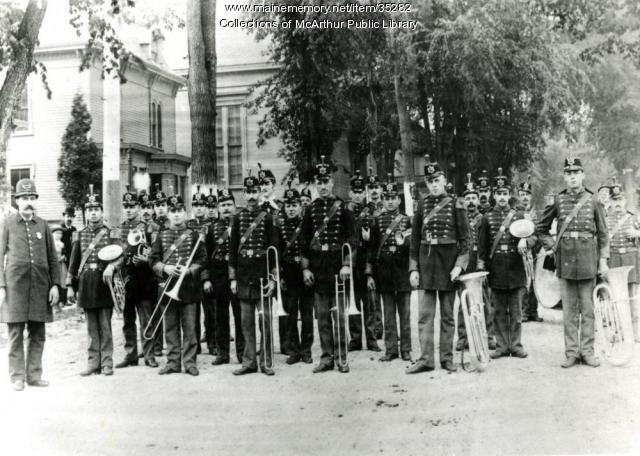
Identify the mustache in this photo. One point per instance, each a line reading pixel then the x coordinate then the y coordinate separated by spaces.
pixel 471 206
pixel 29 206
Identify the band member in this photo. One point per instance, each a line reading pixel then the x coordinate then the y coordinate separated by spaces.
pixel 326 226
pixel 146 208
pixel 500 253
pixel 253 231
pixel 91 276
pixel 200 222
pixel 388 262
pixel 472 203
pixel 365 300
pixel 160 207
pixel 484 192
pixel 297 296
pixel 56 232
pixel 375 206
pixel 624 234
pixel 29 283
pixel 212 206
pixel 170 254
pixel 68 229
pixel 140 284
pixel 604 196
pixel 305 196
pixel 217 281
pixel 581 253
pixel 530 301
pixel 439 252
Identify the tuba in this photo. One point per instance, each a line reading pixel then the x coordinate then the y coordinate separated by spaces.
pixel 110 254
pixel 612 312
pixel 524 228
pixel 346 302
pixel 474 322
pixel 270 302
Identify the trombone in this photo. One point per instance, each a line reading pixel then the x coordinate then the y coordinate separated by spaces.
pixel 348 305
pixel 159 306
pixel 271 302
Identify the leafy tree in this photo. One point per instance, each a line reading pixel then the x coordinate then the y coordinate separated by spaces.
pixel 80 162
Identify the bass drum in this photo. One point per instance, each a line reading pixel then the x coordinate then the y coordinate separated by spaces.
pixel 546 285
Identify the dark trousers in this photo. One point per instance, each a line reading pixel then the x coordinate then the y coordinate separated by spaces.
pixel 488 315
pixel 35 346
pixel 508 319
pixel 376 304
pixel 248 310
pixel 399 302
pixel 426 325
pixel 529 304
pixel 223 332
pixel 180 331
pixel 365 302
pixel 158 341
pixel 209 311
pixel 326 328
pixel 577 300
pixel 299 302
pixel 143 310
pixel 100 337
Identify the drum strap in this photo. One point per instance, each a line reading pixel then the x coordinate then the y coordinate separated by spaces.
pixel 95 241
pixel 505 223
pixel 250 228
pixel 435 210
pixel 221 240
pixel 171 250
pixel 388 232
pixel 325 221
pixel 571 216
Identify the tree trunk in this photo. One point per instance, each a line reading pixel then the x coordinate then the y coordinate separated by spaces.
pixel 406 140
pixel 202 88
pixel 16 76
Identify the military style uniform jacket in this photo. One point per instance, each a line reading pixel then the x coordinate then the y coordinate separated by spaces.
pixel 162 222
pixel 363 216
pixel 290 239
pixel 217 241
pixel 474 226
pixel 93 293
pixel 169 240
pixel 140 281
pixel 199 224
pixel 624 250
pixel 506 268
pixel 586 239
pixel 247 262
pixel 390 267
pixel 28 269
pixel 440 244
pixel 67 235
pixel 323 254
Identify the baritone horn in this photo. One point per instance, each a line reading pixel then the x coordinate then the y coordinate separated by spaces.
pixel 612 312
pixel 474 322
pixel 138 237
pixel 521 229
pixel 110 254
pixel 271 256
pixel 346 302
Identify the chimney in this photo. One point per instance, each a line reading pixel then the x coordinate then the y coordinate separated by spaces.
pixel 156 49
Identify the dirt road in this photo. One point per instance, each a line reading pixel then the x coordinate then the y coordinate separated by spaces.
pixel 529 406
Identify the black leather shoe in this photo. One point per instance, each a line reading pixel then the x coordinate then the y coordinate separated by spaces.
pixel 591 361
pixel 343 369
pixel 158 354
pixel 168 370
pixel 354 346
pixel 220 360
pixel 536 319
pixel 448 365
pixel 267 371
pixel 459 346
pixel 322 368
pixel 17 385
pixel 373 346
pixel 417 368
pixel 38 383
pixel 492 344
pixel 245 370
pixel 107 370
pixel 293 359
pixel 126 363
pixel 90 371
pixel 193 371
pixel 569 362
pixel 406 356
pixel 307 359
pixel 151 363
pixel 519 354
pixel 498 354
pixel 389 357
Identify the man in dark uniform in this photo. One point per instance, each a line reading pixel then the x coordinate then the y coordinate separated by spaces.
pixel 199 222
pixel 298 297
pixel 624 233
pixel 305 197
pixel 604 196
pixel 212 206
pixel 581 253
pixel 92 275
pixel 471 202
pixel 530 302
pixel 176 243
pixel 67 233
pixel 160 207
pixel 375 207
pixel 388 262
pixel 326 226
pixel 217 281
pixel 439 253
pixel 29 285
pixel 146 208
pixel 365 300
pixel 484 192
pixel 253 231
pixel 140 284
pixel 500 253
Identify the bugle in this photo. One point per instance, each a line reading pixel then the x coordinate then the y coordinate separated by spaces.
pixel 271 301
pixel 473 313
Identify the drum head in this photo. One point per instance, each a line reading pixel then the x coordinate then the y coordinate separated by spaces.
pixel 110 252
pixel 546 285
pixel 522 228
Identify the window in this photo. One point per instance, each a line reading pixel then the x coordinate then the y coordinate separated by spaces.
pixel 229 144
pixel 21 114
pixel 156 125
pixel 17 174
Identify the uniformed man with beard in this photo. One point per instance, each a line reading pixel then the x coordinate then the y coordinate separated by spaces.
pixel 439 253
pixel 530 302
pixel 363 216
pixel 216 283
pixel 484 192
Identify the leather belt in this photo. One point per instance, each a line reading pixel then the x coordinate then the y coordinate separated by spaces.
pixel 505 251
pixel 577 235
pixel 251 253
pixel 623 250
pixel 438 241
pixel 93 267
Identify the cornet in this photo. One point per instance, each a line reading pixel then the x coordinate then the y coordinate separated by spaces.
pixel 138 237
pixel 346 303
pixel 401 236
pixel 271 302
